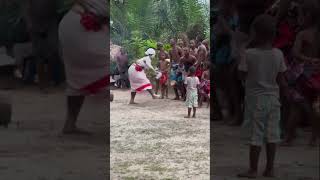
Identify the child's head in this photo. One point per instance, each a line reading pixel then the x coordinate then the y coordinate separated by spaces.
pixel 186 51
pixel 192 71
pixel 263 29
pixel 192 44
pixel 160 46
pixel 172 42
pixel 162 56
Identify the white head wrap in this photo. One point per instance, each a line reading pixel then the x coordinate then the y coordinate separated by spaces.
pixel 150 52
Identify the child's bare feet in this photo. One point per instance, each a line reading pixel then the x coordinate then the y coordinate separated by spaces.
pixel 249 174
pixel 187 117
pixel 268 173
pixel 194 116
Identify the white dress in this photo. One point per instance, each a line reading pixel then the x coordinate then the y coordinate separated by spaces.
pixel 85 56
pixel 137 77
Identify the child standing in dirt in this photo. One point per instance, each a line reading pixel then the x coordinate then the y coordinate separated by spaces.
pixel 262 67
pixel 164 68
pixel 192 82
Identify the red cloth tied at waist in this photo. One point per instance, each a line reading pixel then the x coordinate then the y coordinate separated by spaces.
pixel 164 78
pixel 97 86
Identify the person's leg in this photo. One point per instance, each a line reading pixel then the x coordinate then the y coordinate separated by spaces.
pixel 194 112
pixel 200 100
pixel 152 94
pixel 157 86
pixel 163 90
pixel 234 88
pixel 311 116
pixel 74 104
pixel 133 95
pixel 256 117
pixel 167 91
pixel 271 153
pixel 189 113
pixel 291 125
pixel 175 88
pixel 253 162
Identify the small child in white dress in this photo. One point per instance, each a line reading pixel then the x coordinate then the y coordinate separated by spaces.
pixel 192 83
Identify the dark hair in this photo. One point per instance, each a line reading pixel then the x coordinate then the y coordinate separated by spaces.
pixel 192 70
pixel 264 27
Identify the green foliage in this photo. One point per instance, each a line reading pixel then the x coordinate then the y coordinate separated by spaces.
pixel 139 24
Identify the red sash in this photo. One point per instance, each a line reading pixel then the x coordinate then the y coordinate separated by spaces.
pixel 97 86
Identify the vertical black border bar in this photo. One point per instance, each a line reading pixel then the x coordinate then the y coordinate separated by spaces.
pixel 108 99
pixel 212 4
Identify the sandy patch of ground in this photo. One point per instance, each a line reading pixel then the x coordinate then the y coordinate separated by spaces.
pixel 33 148
pixel 299 162
pixel 153 140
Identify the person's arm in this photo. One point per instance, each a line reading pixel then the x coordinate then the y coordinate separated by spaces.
pixel 148 63
pixel 281 80
pixel 243 66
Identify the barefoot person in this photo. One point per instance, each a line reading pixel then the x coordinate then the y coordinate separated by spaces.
pixel 164 79
pixel 84 55
pixel 162 55
pixel 138 78
pixel 175 54
pixel 262 68
pixel 192 82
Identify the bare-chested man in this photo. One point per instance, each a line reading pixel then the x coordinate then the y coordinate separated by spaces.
pixel 175 54
pixel 202 51
pixel 187 59
pixel 206 44
pixel 201 58
pixel 193 49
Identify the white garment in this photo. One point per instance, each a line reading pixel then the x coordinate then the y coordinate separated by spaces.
pixel 145 62
pixel 192 83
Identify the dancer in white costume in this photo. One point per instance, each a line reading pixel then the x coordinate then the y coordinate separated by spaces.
pixel 85 57
pixel 138 78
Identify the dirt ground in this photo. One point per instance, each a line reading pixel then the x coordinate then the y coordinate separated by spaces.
pixel 230 150
pixel 153 140
pixel 34 149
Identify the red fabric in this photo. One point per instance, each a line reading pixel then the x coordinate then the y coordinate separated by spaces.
pixel 138 68
pixel 141 88
pixel 285 37
pixel 164 78
pixel 90 22
pixel 97 86
pixel 199 72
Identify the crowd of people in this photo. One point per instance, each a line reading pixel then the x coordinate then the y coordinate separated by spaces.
pixel 266 67
pixel 173 70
